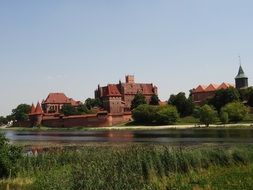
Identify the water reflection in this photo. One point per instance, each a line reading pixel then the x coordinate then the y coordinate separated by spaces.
pixel 150 136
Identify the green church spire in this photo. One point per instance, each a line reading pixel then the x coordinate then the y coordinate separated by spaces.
pixel 241 74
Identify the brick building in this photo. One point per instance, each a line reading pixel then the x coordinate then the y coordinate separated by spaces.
pixel 203 93
pixel 117 98
pixel 55 101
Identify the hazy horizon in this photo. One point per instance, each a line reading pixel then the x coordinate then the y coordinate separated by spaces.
pixel 72 46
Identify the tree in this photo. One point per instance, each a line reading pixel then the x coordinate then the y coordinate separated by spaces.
pixel 67 110
pixel 139 99
pixel 166 115
pixel 3 120
pixel 91 103
pixel 223 97
pixel 21 112
pixel 224 117
pixel 247 95
pixel 9 155
pixel 207 115
pixel 82 109
pixel 250 99
pixel 236 111
pixel 154 100
pixel 155 115
pixel 184 106
pixel 144 114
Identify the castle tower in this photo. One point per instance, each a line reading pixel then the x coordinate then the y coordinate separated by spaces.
pixel 36 115
pixel 241 80
pixel 130 79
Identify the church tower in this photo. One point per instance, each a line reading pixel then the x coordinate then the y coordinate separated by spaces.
pixel 241 80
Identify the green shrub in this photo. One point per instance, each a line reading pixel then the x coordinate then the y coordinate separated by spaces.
pixel 155 115
pixel 207 115
pixel 236 111
pixel 9 155
pixel 224 117
pixel 166 115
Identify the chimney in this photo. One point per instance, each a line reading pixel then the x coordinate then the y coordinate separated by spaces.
pixel 130 79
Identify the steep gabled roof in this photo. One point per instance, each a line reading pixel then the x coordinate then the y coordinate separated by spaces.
pixel 225 86
pixel 38 109
pixel 241 74
pixel 212 87
pixel 111 90
pixel 59 98
pixel 32 109
pixel 133 88
pixel 200 88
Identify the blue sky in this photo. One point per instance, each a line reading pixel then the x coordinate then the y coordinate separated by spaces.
pixel 71 46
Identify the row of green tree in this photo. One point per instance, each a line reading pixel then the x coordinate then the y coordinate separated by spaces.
pixel 227 105
pixel 184 106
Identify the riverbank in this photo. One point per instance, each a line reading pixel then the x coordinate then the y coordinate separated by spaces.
pixel 136 167
pixel 132 127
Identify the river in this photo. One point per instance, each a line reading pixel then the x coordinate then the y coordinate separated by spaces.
pixel 173 136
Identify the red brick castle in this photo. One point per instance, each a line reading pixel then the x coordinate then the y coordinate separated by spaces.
pixel 116 106
pixel 117 98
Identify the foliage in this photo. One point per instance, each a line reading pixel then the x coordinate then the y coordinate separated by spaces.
pixel 166 115
pixel 144 114
pixel 188 120
pixel 139 99
pixel 92 103
pixel 223 97
pixel 20 113
pixel 247 95
pixel 67 110
pixel 155 115
pixel 138 167
pixel 184 106
pixel 82 109
pixel 3 120
pixel 250 100
pixel 154 100
pixel 207 115
pixel 224 117
pixel 9 155
pixel 236 111
pixel 196 112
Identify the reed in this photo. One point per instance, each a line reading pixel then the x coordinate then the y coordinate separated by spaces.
pixel 133 167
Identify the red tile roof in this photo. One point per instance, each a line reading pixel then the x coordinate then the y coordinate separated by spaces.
pixel 211 87
pixel 200 88
pixel 32 109
pixel 38 109
pixel 225 86
pixel 129 88
pixel 59 98
pixel 145 89
pixel 113 90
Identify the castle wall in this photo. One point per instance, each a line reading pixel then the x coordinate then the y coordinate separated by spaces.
pixel 119 118
pixel 91 120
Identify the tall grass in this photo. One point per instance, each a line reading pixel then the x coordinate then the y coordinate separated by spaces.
pixel 126 167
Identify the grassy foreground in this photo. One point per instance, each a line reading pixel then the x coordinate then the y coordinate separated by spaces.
pixel 136 167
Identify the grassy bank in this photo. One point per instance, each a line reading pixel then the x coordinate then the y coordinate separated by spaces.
pixel 136 167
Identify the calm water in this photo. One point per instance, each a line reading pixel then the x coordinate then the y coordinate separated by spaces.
pixel 186 136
